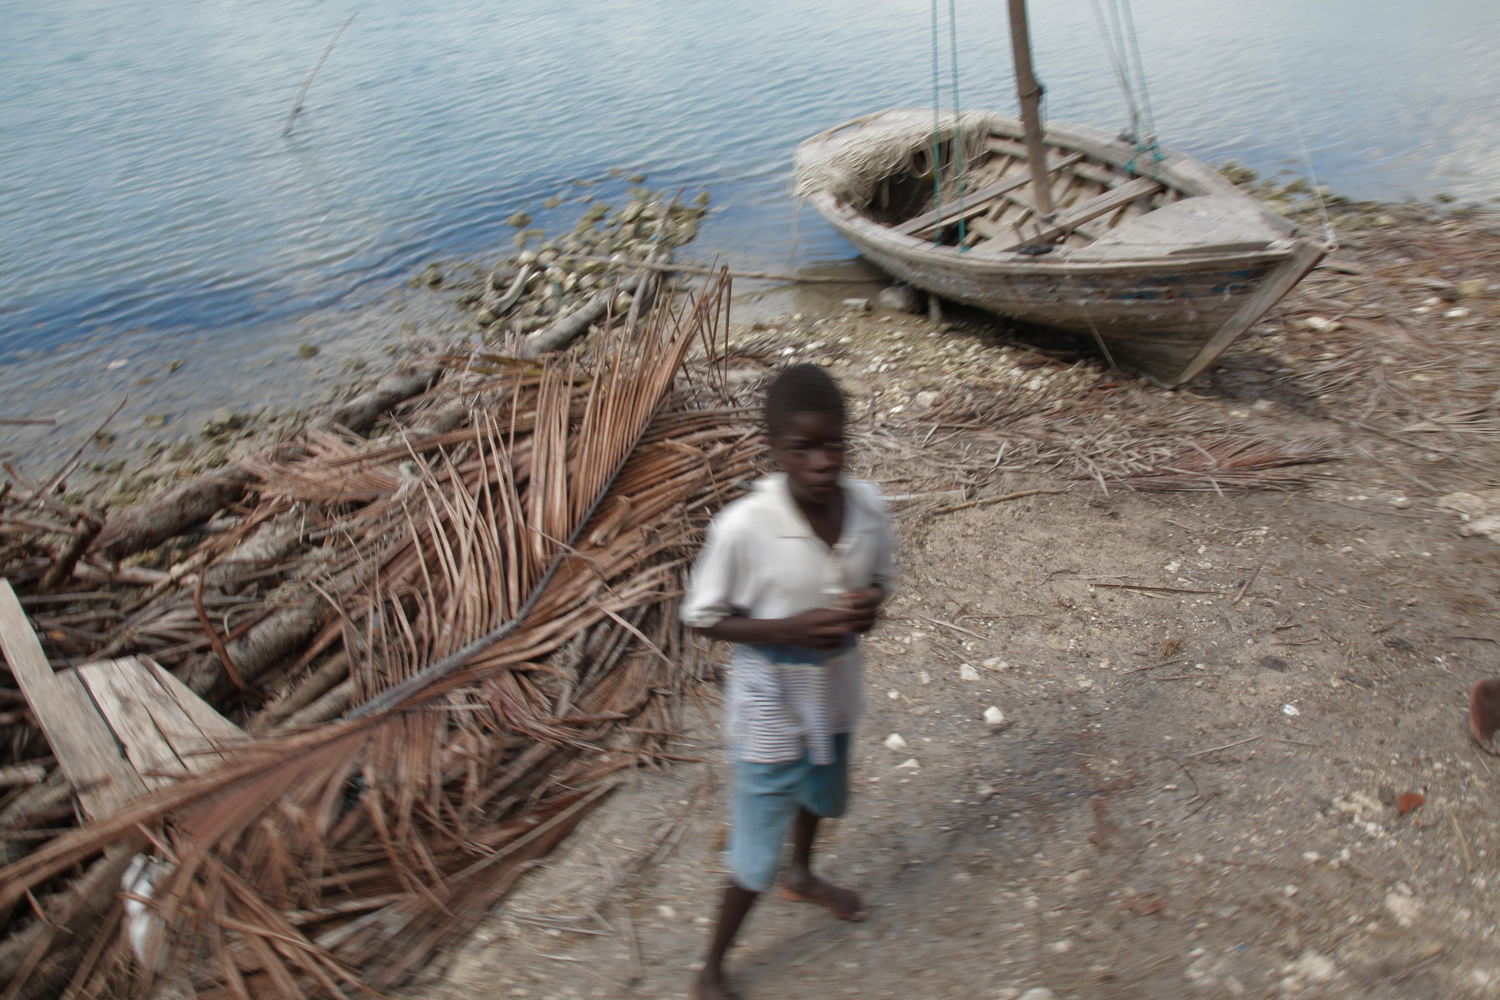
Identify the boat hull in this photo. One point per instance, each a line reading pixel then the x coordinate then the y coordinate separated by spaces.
pixel 1164 315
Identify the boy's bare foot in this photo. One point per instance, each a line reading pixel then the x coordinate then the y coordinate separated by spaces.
pixel 710 986
pixel 842 903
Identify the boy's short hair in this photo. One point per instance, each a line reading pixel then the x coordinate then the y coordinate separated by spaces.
pixel 801 389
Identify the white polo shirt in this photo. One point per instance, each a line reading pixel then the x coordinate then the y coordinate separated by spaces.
pixel 763 560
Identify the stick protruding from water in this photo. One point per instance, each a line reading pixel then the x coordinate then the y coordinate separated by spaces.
pixel 302 91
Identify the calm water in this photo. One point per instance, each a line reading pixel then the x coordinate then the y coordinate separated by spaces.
pixel 150 208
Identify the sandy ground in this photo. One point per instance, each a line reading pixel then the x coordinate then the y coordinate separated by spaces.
pixel 1214 705
pixel 1098 844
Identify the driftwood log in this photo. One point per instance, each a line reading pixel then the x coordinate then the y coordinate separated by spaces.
pixel 150 523
pixel 329 674
pixel 366 408
pixel 258 650
pixel 574 325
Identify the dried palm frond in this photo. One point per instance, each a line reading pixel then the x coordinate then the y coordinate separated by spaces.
pixel 505 596
pixel 1236 463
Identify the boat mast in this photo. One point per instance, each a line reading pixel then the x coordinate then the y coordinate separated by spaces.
pixel 1030 93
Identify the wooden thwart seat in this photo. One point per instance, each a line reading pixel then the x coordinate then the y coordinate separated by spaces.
pixel 978 201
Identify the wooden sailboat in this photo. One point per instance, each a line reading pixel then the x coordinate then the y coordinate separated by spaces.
pixel 1156 257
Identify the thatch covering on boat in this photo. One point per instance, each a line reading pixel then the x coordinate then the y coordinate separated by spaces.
pixel 852 163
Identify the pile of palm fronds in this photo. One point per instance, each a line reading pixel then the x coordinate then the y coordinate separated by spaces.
pixel 1084 429
pixel 1232 463
pixel 494 593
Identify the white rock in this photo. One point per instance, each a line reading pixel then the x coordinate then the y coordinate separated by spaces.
pixel 898 298
pixel 667 912
pixel 926 399
pixel 966 672
pixel 993 716
pixel 1315 968
pixel 984 791
pixel 924 678
pixel 910 764
pixel 1321 324
pixel 1084 683
pixel 857 305
pixel 995 663
pixel 1040 993
pixel 1403 906
pixel 1290 709
pixel 895 742
pixel 1462 312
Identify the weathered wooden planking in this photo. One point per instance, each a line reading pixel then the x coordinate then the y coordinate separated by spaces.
pixel 114 689
pixel 1102 204
pixel 164 731
pixel 978 201
pixel 213 727
pixel 1207 223
pixel 86 749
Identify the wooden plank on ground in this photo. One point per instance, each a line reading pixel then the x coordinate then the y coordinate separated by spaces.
pixel 85 748
pixel 116 691
pixel 216 729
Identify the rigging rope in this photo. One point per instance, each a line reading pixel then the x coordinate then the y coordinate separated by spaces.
pixel 958 129
pixel 959 153
pixel 1124 50
pixel 1329 237
pixel 937 124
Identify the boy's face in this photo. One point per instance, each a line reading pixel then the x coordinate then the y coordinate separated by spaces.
pixel 810 450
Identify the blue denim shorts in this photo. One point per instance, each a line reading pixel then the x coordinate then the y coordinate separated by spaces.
pixel 767 797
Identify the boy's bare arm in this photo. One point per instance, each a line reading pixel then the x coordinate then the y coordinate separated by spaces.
pixel 819 628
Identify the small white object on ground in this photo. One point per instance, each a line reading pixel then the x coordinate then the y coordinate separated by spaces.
pixel 1289 709
pixel 993 716
pixel 143 926
pixel 966 672
pixel 1314 967
pixel 898 298
pixel 857 305
pixel 895 742
pixel 924 678
pixel 910 763
pixel 926 399
pixel 1403 905
pixel 995 663
pixel 1040 993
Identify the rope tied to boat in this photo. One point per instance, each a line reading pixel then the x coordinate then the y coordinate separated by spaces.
pixel 960 150
pixel 1123 48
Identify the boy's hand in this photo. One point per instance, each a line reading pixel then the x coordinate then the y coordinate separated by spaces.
pixel 819 628
pixel 864 605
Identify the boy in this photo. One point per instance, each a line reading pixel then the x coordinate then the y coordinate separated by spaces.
pixel 791 575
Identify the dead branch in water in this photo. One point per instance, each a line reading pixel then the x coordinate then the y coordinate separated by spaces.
pixel 302 91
